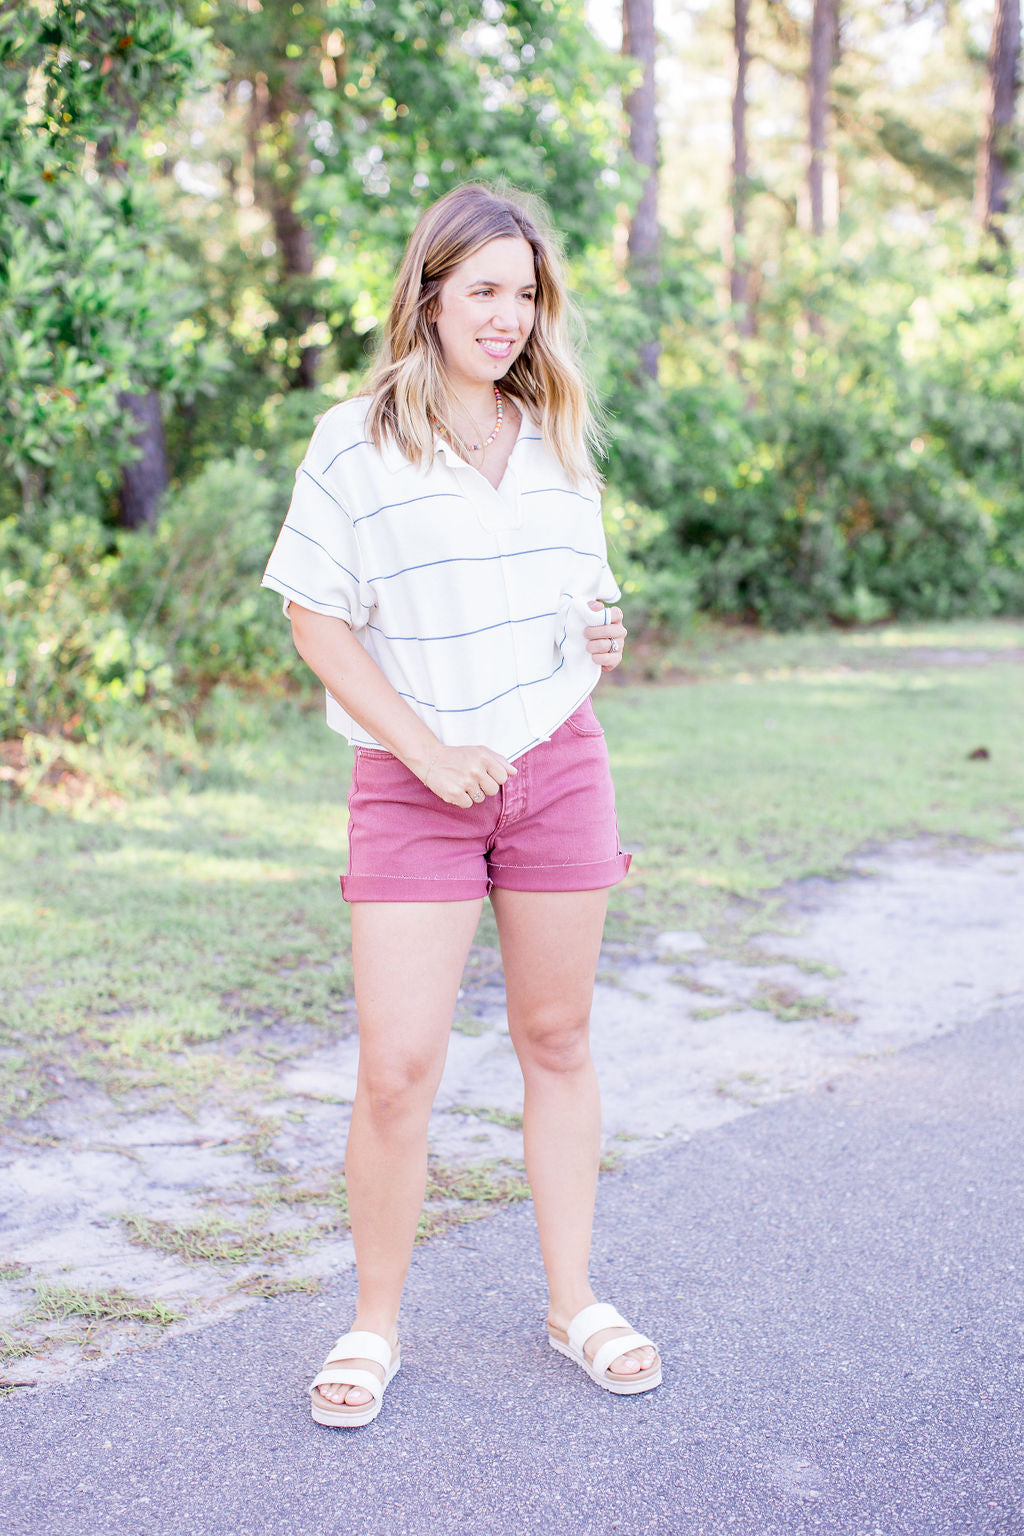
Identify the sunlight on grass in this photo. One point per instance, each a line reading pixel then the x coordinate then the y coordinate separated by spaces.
pixel 141 933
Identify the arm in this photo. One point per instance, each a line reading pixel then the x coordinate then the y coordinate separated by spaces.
pixel 457 775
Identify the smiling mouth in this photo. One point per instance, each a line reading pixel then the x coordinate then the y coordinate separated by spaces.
pixel 495 347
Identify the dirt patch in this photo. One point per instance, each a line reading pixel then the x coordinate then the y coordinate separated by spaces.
pixel 154 1220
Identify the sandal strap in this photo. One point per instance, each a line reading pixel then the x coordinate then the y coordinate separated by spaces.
pixel 361 1345
pixel 591 1320
pixel 351 1378
pixel 613 1348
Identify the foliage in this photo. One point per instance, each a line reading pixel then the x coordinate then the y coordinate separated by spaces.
pixel 193 585
pixel 92 302
pixel 68 657
pixel 206 198
pixel 867 470
pixel 101 633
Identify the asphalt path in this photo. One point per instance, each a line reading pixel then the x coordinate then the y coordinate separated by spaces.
pixel 836 1285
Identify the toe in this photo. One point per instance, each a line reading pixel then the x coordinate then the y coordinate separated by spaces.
pixel 637 1360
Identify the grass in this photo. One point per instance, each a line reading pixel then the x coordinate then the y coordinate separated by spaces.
pixel 510 1119
pixel 63 1315
pixel 59 1303
pixel 786 755
pixel 792 1007
pixel 214 1240
pixel 268 1287
pixel 152 941
pixel 456 1195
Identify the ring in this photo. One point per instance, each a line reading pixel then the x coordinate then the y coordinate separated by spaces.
pixel 613 645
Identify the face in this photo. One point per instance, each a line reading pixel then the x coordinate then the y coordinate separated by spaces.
pixel 485 313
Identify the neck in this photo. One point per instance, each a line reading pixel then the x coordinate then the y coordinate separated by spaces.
pixel 476 401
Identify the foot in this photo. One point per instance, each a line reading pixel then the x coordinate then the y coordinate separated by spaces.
pixel 629 1364
pixel 358 1397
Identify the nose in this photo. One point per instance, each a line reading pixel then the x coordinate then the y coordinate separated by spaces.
pixel 505 317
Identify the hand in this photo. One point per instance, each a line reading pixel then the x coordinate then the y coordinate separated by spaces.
pixel 605 641
pixel 465 775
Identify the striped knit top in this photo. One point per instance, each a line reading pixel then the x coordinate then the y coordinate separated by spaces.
pixel 471 600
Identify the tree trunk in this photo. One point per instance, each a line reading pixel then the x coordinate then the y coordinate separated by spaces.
pixel 144 480
pixel 276 107
pixel 295 247
pixel 823 34
pixel 739 274
pixel 638 42
pixel 993 180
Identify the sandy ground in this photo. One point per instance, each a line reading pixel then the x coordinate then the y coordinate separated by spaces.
pixel 919 939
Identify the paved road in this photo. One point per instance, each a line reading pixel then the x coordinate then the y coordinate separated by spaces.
pixel 836 1283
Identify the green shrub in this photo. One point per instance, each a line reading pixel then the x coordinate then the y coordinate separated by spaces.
pixel 69 658
pixel 101 628
pixel 193 583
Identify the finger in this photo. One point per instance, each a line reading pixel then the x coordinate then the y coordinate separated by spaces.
pixel 602 631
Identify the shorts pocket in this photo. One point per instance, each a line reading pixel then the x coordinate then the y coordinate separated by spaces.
pixel 583 722
pixel 376 754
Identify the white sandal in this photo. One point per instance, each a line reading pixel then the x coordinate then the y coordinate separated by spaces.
pixel 585 1324
pixel 338 1372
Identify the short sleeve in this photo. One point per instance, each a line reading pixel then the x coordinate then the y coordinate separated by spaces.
pixel 316 561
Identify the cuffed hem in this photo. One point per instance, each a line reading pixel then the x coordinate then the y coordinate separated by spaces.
pixel 411 888
pixel 560 877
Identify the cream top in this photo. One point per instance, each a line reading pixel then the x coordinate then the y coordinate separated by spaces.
pixel 471 600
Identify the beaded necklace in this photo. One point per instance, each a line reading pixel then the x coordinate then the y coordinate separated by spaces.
pixel 499 406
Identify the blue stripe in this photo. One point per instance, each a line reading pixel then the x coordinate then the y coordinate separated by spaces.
pixel 516 751
pixel 391 505
pixel 515 554
pixel 462 634
pixel 558 490
pixel 291 528
pixel 275 583
pixel 470 708
pixel 362 443
pixel 304 471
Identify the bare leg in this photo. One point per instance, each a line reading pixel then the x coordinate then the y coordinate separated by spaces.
pixel 408 961
pixel 550 942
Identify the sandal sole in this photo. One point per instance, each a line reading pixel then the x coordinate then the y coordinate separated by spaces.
pixel 646 1381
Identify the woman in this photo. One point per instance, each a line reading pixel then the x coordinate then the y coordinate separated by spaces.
pixel 443 567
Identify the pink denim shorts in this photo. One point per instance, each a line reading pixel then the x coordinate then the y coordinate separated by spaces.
pixel 550 828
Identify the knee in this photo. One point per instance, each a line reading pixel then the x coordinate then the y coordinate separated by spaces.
pixel 555 1043
pixel 398 1090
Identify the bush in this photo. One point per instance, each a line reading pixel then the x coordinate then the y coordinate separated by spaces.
pixel 873 470
pixel 99 628
pixel 193 583
pixel 69 658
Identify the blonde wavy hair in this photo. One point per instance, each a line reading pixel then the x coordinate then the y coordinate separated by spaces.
pixel 408 385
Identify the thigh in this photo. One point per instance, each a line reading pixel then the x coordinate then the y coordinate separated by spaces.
pixel 407 961
pixel 550 944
